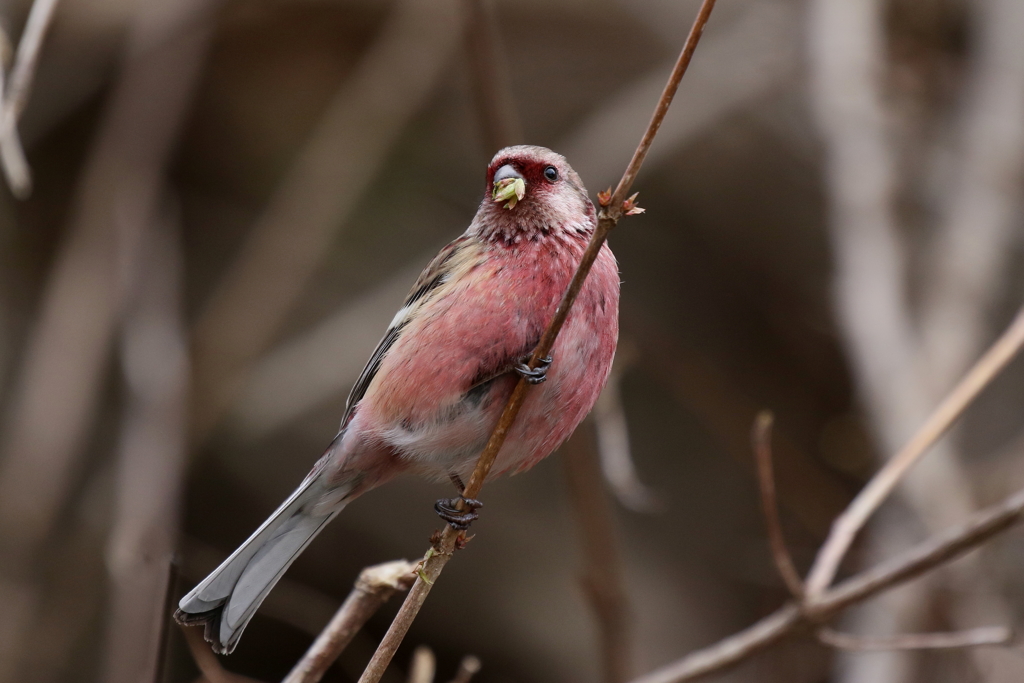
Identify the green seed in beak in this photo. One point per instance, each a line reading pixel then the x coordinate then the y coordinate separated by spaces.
pixel 510 190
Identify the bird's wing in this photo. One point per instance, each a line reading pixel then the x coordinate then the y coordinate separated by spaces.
pixel 432 277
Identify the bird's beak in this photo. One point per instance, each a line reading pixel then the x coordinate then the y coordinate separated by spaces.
pixel 509 186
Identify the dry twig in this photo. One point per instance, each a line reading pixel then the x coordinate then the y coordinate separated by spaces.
pixel 612 211
pixel 927 555
pixel 784 565
pixel 373 588
pixel 817 607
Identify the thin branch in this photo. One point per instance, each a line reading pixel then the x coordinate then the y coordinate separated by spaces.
pixel 975 637
pixel 438 556
pixel 602 577
pixel 762 438
pixel 499 121
pixel 790 618
pixel 845 528
pixel 424 665
pixel 372 589
pixel 468 667
pixel 15 96
pixel 741 63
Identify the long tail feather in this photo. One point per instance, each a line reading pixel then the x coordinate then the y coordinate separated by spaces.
pixel 227 599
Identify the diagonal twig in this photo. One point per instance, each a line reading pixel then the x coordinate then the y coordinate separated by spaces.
pixel 991 635
pixel 788 619
pixel 373 588
pixel 612 211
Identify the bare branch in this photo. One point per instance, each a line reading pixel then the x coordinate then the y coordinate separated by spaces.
pixel 762 437
pixel 373 588
pixel 15 96
pixel 742 62
pixel 989 635
pixel 871 496
pixel 613 210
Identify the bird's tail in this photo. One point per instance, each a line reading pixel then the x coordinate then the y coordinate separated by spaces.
pixel 227 599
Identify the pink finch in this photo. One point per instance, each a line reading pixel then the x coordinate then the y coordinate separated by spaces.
pixel 434 388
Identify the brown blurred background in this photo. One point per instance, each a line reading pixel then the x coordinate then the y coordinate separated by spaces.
pixel 230 199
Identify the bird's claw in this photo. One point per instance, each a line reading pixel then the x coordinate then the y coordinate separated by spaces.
pixel 534 375
pixel 447 509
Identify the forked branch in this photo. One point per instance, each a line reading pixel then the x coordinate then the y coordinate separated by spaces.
pixel 791 618
pixel 373 588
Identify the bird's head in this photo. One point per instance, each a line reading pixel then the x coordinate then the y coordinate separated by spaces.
pixel 532 191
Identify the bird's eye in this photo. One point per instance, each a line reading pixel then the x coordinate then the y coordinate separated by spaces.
pixel 551 173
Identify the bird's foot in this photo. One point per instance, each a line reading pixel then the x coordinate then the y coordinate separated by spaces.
pixel 447 509
pixel 534 375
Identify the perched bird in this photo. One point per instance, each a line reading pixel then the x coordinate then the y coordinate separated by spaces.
pixel 434 388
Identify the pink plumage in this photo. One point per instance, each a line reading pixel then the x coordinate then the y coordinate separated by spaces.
pixel 434 388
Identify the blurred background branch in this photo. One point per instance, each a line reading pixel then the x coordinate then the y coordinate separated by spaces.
pixel 56 395
pixel 14 92
pixel 901 368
